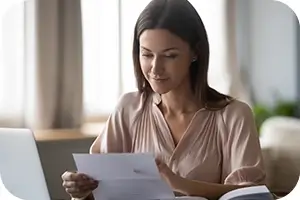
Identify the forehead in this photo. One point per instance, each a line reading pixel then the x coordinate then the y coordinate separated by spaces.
pixel 160 39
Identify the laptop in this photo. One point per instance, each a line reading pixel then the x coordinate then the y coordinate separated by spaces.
pixel 20 166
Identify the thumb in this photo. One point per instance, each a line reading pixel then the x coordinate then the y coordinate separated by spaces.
pixel 158 161
pixel 162 167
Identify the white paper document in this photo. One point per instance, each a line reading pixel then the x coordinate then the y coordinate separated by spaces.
pixel 124 176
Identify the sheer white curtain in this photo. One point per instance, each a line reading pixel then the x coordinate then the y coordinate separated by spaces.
pixel 12 67
pixel 40 73
pixel 107 45
pixel 129 15
pixel 219 18
pixel 108 27
pixel 101 55
pixel 213 14
pixel 107 61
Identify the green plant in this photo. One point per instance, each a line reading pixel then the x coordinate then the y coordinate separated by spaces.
pixel 280 108
pixel 261 113
pixel 286 108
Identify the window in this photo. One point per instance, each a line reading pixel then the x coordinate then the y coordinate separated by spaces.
pixel 108 27
pixel 107 42
pixel 128 20
pixel 101 55
pixel 12 66
pixel 213 14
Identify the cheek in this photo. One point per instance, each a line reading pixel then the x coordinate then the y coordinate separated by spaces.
pixel 177 69
pixel 145 66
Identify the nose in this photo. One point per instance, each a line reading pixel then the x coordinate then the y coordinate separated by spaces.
pixel 157 66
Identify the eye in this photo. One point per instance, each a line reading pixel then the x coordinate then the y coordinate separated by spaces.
pixel 146 55
pixel 172 56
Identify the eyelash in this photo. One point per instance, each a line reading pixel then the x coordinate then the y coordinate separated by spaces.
pixel 147 55
pixel 172 56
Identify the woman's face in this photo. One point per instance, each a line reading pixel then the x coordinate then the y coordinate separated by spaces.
pixel 165 60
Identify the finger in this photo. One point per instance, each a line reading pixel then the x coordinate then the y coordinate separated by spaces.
pixel 164 169
pixel 82 176
pixel 160 164
pixel 73 190
pixel 70 184
pixel 84 190
pixel 78 195
pixel 69 176
pixel 80 192
pixel 158 161
pixel 63 176
pixel 79 184
pixel 88 188
pixel 74 176
pixel 88 185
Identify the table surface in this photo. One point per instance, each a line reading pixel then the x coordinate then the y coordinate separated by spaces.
pixel 88 130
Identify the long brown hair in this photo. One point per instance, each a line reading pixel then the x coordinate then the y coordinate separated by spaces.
pixel 180 18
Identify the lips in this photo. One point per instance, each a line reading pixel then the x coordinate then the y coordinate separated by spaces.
pixel 157 78
pixel 160 79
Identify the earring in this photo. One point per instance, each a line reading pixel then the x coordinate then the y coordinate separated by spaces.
pixel 194 59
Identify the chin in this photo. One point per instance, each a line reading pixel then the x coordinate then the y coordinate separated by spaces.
pixel 160 90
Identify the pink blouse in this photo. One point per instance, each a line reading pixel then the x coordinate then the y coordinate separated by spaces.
pixel 217 147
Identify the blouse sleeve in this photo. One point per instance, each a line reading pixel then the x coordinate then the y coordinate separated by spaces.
pixel 242 155
pixel 115 136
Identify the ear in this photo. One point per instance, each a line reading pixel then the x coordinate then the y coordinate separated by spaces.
pixel 194 58
pixel 195 52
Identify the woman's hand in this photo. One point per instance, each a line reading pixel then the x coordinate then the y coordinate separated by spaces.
pixel 78 185
pixel 188 187
pixel 173 180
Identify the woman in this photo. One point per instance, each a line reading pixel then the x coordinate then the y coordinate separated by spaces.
pixel 206 142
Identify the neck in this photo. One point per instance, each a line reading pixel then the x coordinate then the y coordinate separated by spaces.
pixel 180 101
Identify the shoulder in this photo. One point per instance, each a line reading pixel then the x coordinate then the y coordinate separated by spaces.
pixel 236 122
pixel 237 109
pixel 237 112
pixel 131 103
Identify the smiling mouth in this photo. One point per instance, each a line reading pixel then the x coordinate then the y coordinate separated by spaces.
pixel 160 79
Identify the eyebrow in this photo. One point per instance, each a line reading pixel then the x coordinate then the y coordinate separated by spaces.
pixel 168 49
